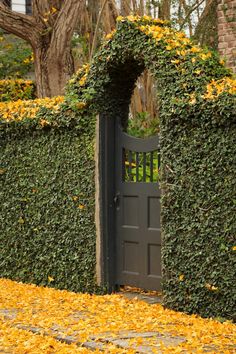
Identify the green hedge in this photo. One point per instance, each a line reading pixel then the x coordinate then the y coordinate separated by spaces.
pixel 54 156
pixel 16 57
pixel 197 103
pixel 198 219
pixel 47 204
pixel 18 89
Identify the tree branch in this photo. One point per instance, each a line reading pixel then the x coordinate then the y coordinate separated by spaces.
pixel 96 29
pixel 191 10
pixel 65 24
pixel 21 25
pixel 41 9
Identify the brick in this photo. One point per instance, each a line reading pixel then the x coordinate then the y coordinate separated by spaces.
pixel 220 14
pixel 221 28
pixel 231 44
pixel 229 13
pixel 222 38
pixel 228 52
pixel 223 45
pixel 221 19
pixel 231 5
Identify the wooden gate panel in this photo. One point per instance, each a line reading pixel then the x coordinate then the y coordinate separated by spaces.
pixel 137 200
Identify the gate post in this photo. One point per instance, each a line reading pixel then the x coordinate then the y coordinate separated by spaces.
pixel 104 219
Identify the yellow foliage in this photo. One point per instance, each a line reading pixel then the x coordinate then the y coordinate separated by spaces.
pixel 20 109
pixel 97 315
pixel 81 206
pixel 110 35
pixel 211 287
pixel 50 279
pixel 217 87
pixel 83 70
pixel 81 105
pixel 119 18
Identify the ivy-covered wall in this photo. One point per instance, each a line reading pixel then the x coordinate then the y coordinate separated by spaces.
pixel 197 99
pixel 47 202
pixel 196 95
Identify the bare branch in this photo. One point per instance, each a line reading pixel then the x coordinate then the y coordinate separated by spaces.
pixel 42 8
pixel 191 10
pixel 65 24
pixel 21 25
pixel 96 29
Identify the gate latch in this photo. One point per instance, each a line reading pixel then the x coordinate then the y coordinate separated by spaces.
pixel 116 199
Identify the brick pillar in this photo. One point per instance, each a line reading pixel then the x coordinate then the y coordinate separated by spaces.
pixel 227 31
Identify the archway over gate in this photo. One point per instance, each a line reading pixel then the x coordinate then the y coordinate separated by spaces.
pixel 197 100
pixel 130 203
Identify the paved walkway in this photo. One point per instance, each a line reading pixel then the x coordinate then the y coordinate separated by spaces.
pixel 118 337
pixel 148 342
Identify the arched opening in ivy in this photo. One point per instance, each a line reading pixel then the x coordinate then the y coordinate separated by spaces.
pixel 197 99
pixel 143 119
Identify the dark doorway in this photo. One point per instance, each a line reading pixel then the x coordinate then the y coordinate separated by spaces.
pixel 129 196
pixel 137 211
pixel 130 207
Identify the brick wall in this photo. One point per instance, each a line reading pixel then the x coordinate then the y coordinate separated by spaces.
pixel 227 31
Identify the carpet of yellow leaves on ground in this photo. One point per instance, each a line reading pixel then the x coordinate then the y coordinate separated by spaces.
pixel 88 315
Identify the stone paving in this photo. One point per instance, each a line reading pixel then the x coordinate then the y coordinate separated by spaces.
pixel 148 342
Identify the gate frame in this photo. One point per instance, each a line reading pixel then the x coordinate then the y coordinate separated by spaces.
pixel 105 207
pixel 105 210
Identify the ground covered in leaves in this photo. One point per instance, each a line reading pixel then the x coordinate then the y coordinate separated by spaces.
pixel 37 320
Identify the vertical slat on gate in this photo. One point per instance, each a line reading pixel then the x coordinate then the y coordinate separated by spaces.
pixel 144 166
pixel 158 164
pixel 137 166
pixel 151 166
pixel 123 164
pixel 130 165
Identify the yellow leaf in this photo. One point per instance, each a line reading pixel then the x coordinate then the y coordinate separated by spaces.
pixel 176 61
pixel 80 105
pixel 181 277
pixel 21 220
pixel 81 206
pixel 50 279
pixel 214 288
pixel 44 122
pixel 119 18
pixel 195 49
pixel 54 10
pixel 211 287
pixel 234 248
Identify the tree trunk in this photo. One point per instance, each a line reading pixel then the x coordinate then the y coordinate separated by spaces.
pixel 164 9
pixel 51 71
pixel 125 7
pixel 206 32
pixel 49 31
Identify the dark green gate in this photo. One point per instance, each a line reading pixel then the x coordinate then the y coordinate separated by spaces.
pixel 137 211
pixel 129 200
